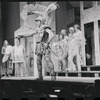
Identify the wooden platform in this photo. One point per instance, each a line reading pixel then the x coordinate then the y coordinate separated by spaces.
pixel 58 78
pixel 86 71
pixel 78 84
pixel 86 76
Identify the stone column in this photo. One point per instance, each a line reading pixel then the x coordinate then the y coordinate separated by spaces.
pixel 96 43
pixel 82 29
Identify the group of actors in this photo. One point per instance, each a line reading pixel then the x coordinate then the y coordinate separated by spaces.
pixel 68 49
pixel 60 50
pixel 63 50
pixel 12 54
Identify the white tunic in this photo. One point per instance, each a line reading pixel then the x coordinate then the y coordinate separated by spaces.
pixel 18 53
pixel 8 50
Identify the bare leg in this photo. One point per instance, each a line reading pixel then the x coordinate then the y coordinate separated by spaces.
pixel 51 66
pixel 39 65
pixel 78 59
pixel 71 63
pixel 23 69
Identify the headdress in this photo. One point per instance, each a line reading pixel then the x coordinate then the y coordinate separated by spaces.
pixel 44 12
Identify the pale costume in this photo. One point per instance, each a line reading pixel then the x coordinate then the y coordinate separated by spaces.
pixel 7 59
pixel 18 54
pixel 65 55
pixel 61 54
pixel 54 57
pixel 3 68
pixel 75 46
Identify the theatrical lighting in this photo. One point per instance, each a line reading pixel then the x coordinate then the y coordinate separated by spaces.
pixel 53 96
pixel 56 90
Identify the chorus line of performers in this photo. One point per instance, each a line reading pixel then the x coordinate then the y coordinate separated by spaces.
pixel 65 52
pixel 68 49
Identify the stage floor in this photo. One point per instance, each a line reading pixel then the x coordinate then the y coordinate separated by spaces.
pixel 58 78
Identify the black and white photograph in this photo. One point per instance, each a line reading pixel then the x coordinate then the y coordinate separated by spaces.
pixel 50 50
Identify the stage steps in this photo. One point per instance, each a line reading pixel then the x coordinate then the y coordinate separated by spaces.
pixel 86 71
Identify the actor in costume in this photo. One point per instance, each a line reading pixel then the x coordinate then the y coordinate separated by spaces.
pixel 80 41
pixel 44 37
pixel 75 49
pixel 54 49
pixel 71 50
pixel 4 65
pixel 43 33
pixel 19 57
pixel 7 58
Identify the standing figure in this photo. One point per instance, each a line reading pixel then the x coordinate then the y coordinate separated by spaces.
pixel 19 57
pixel 65 48
pixel 44 34
pixel 61 52
pixel 43 40
pixel 7 59
pixel 79 41
pixel 54 56
pixel 3 68
pixel 71 50
pixel 4 65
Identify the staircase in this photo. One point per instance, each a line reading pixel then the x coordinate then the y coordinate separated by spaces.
pixel 86 71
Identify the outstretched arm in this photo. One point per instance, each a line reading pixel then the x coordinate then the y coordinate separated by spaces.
pixel 30 34
pixel 2 51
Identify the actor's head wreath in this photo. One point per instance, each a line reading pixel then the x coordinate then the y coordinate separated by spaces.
pixel 46 15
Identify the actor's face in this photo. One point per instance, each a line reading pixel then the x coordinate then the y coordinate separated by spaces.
pixel 6 42
pixel 61 37
pixel 38 23
pixel 17 42
pixel 63 32
pixel 71 30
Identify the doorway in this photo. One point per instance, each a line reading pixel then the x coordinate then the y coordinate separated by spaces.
pixel 89 47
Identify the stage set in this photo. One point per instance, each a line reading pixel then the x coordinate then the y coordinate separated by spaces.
pixel 69 85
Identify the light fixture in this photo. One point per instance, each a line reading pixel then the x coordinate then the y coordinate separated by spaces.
pixel 56 90
pixel 53 96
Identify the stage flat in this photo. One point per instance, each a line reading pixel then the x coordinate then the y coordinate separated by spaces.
pixel 58 78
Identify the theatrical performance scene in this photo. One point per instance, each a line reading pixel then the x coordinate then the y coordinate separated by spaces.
pixel 50 50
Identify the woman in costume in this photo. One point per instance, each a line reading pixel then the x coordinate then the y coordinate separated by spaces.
pixel 54 49
pixel 7 59
pixel 61 52
pixel 71 50
pixel 4 65
pixel 19 57
pixel 75 49
pixel 80 42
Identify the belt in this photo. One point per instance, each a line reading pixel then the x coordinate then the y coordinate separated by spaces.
pixel 38 42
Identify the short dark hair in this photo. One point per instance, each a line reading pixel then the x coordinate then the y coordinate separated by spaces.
pixel 17 38
pixel 78 27
pixel 62 35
